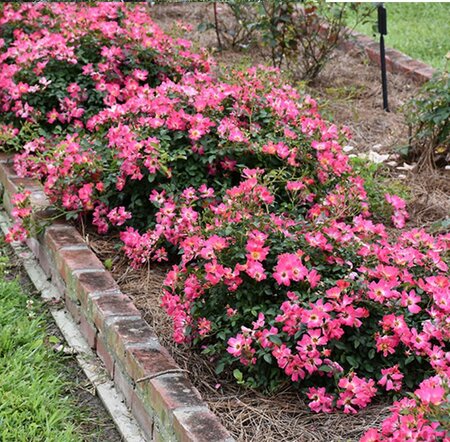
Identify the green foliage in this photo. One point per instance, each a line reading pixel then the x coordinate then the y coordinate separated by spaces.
pixel 298 35
pixel 429 120
pixel 377 184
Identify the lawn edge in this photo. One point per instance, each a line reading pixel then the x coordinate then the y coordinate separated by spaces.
pixel 157 391
pixel 396 62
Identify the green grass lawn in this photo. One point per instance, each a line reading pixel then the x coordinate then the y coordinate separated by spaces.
pixel 420 30
pixel 37 399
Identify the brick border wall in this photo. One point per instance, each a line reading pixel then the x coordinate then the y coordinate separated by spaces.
pixel 396 61
pixel 158 392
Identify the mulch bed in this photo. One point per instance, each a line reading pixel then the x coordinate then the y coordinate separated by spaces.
pixel 349 91
pixel 248 415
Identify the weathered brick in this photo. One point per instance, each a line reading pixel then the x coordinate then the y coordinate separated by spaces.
pixel 424 74
pixel 129 332
pixel 5 157
pixel 7 203
pixel 88 331
pixel 58 282
pixel 72 260
pixel 123 383
pixel 15 184
pixel 34 246
pixel 6 169
pixel 168 392
pixel 106 306
pixel 373 55
pixel 199 425
pixel 60 236
pixel 142 415
pixel 90 284
pixel 44 259
pixel 143 362
pixel 73 309
pixel 104 355
pixel 39 200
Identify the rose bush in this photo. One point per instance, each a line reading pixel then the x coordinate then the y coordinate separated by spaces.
pixel 176 135
pixel 282 276
pixel 319 301
pixel 62 63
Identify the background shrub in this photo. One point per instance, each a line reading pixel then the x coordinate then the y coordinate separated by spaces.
pixel 429 118
pixel 299 36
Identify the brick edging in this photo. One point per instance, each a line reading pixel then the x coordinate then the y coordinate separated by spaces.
pixel 396 62
pixel 160 395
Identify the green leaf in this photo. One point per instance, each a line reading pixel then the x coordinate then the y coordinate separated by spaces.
pixel 325 368
pixel 352 361
pixel 108 263
pixel 409 359
pixel 268 358
pixel 53 340
pixel 237 374
pixel 220 367
pixel 275 339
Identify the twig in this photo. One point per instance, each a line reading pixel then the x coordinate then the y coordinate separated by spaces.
pixel 216 26
pixel 161 373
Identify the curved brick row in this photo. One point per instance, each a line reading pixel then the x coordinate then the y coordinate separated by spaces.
pixel 158 392
pixel 396 61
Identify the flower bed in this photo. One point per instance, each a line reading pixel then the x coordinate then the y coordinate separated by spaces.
pixel 283 278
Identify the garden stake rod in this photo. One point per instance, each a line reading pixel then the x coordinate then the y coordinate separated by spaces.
pixel 382 29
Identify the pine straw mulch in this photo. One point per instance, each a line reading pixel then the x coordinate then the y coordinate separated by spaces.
pixel 348 89
pixel 349 93
pixel 248 416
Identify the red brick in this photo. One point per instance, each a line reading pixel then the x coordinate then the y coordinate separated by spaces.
pixel 124 384
pixel 104 355
pixel 128 332
pixel 199 426
pixel 5 157
pixel 14 184
pixel 6 169
pixel 71 260
pixel 373 55
pixel 62 236
pixel 424 74
pixel 362 40
pixel 39 200
pixel 106 306
pixel 73 309
pixel 34 246
pixel 90 284
pixel 59 283
pixel 143 416
pixel 167 393
pixel 40 254
pixel 88 331
pixel 142 362
pixel 7 203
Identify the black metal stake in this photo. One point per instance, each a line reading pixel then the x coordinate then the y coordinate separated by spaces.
pixel 382 29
